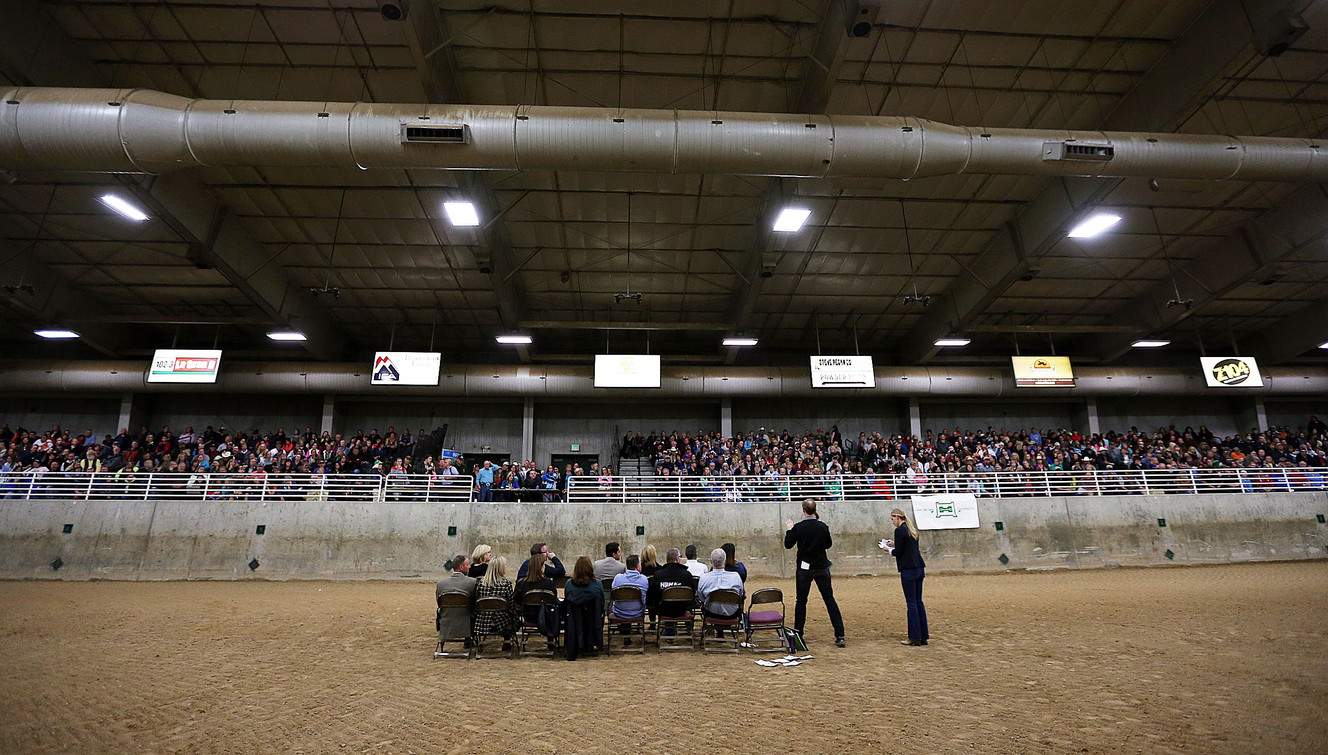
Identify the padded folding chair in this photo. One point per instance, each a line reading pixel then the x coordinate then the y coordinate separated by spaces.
pixel 613 623
pixel 766 618
pixel 452 600
pixel 720 644
pixel 678 595
pixel 527 629
pixel 492 604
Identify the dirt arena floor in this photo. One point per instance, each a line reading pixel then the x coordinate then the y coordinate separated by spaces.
pixel 1201 659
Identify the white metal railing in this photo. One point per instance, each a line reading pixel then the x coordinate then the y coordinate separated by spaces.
pixel 653 489
pixel 239 486
pixel 731 489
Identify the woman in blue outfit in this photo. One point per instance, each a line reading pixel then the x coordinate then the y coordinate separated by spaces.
pixel 912 570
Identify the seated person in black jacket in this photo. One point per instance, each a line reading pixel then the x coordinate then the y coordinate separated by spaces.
pixel 536 579
pixel 584 610
pixel 671 574
pixel 553 567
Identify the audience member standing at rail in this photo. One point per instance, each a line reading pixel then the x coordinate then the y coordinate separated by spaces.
pixel 812 537
pixel 904 547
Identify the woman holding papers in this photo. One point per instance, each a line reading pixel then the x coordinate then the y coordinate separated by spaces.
pixel 912 570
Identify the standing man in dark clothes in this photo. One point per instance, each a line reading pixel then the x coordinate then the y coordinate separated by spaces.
pixel 812 538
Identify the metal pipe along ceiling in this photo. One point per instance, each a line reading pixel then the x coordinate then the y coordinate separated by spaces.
pixel 577 382
pixel 143 131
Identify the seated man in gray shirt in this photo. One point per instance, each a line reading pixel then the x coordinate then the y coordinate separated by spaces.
pixel 718 579
pixel 611 565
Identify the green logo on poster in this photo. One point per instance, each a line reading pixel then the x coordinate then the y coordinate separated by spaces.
pixel 946 509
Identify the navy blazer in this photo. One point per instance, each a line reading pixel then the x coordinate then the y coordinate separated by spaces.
pixel 907 554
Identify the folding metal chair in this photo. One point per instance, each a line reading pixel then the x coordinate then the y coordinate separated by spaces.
pixel 546 600
pixel 455 600
pixel 684 621
pixel 492 604
pixel 734 625
pixel 766 619
pixel 635 626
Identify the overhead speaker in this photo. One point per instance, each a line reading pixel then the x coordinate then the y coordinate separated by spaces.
pixel 861 16
pixel 394 11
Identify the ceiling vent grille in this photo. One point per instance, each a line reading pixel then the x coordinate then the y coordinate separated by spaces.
pixel 442 134
pixel 1077 151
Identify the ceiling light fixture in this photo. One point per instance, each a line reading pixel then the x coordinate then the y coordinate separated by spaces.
pixel 287 335
pixel 1150 343
pixel 1093 225
pixel 952 341
pixel 123 207
pixel 56 333
pixel 461 214
pixel 1324 345
pixel 514 340
pixel 739 341
pixel 790 220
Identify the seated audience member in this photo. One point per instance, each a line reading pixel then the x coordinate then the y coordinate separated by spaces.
pixel 671 574
pixel 584 608
pixel 553 568
pixel 695 567
pixel 731 562
pixel 718 578
pixel 611 565
pixel 479 560
pixel 454 621
pixel 495 584
pixel 627 609
pixel 536 579
pixel 649 561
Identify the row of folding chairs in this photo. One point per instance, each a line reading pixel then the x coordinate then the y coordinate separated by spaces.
pixel 760 628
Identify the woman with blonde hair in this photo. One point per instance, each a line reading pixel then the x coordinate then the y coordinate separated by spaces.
pixel 495 584
pixel 649 561
pixel 912 570
pixel 479 560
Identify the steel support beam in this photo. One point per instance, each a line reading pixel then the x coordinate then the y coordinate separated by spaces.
pixel 1161 101
pixel 1243 257
pixel 429 39
pixel 35 51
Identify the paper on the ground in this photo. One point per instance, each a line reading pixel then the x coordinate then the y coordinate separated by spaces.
pixel 763 662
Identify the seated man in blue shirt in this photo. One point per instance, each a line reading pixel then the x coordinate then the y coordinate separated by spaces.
pixel 630 609
pixel 718 579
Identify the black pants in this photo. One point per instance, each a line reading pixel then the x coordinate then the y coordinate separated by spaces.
pixel 804 580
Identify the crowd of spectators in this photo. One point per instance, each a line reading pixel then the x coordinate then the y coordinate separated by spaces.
pixel 767 453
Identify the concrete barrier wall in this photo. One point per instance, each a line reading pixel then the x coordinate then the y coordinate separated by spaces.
pixel 340 540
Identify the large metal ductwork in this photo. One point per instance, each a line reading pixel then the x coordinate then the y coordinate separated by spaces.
pixel 577 382
pixel 143 131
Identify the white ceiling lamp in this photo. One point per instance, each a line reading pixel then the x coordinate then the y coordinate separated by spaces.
pixel 790 220
pixel 514 340
pixel 56 333
pixel 1324 345
pixel 287 335
pixel 461 214
pixel 1150 343
pixel 1093 225
pixel 123 207
pixel 740 341
pixel 952 341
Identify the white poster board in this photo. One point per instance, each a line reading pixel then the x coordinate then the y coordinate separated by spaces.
pixel 843 372
pixel 406 368
pixel 958 511
pixel 1231 372
pixel 184 366
pixel 627 370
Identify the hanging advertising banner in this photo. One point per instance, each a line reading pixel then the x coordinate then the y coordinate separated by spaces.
pixel 958 511
pixel 1231 372
pixel 184 366
pixel 843 372
pixel 627 370
pixel 1042 372
pixel 406 368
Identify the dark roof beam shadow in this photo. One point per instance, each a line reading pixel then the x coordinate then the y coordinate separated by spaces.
pixel 1248 254
pixel 1303 330
pixel 35 51
pixel 430 47
pixel 1160 101
pixel 53 301
pixel 818 80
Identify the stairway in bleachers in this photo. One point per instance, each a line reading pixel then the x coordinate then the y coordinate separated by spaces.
pixel 635 467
